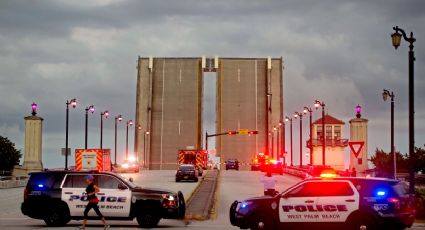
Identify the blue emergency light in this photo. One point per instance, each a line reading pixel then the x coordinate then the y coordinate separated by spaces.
pixel 380 193
pixel 40 185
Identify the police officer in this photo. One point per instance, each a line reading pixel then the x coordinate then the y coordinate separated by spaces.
pixel 91 191
pixel 269 183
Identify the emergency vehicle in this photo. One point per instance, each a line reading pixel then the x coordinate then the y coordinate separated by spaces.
pixel 93 159
pixel 59 196
pixel 345 203
pixel 260 162
pixel 198 157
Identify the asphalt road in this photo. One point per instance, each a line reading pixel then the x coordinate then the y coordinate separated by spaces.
pixel 233 185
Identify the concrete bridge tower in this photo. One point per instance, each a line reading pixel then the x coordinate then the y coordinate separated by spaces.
pixel 358 143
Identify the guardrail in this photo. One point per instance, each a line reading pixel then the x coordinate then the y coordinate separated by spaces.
pixel 295 171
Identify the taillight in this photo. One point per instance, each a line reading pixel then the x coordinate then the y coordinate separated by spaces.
pixel 395 202
pixel 25 193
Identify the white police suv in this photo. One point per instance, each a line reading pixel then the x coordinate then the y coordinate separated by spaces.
pixel 343 203
pixel 59 196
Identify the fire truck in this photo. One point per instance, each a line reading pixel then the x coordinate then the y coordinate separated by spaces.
pixel 260 162
pixel 197 157
pixel 93 159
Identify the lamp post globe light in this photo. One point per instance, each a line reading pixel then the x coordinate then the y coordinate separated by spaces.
pixel 385 94
pixel 117 119
pixel 300 115
pixel 129 123
pixel 91 109
pixel 396 39
pixel 102 114
pixel 318 104
pixel 73 103
pixel 290 127
pixel 33 109
pixel 310 146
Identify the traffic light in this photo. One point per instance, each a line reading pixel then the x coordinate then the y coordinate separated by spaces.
pixel 252 132
pixel 232 133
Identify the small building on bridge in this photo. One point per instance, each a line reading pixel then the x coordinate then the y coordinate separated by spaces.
pixel 332 139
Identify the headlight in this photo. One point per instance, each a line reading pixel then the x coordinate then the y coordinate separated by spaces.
pixel 125 166
pixel 243 205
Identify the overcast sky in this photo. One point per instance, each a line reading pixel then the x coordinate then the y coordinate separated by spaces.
pixel 334 50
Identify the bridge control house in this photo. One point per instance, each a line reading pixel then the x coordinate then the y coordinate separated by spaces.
pixel 333 141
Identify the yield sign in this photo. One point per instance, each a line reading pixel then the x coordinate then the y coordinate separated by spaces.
pixel 356 147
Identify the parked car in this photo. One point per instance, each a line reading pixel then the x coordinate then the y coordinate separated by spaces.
pixel 337 202
pixel 232 164
pixel 187 172
pixel 59 196
pixel 276 167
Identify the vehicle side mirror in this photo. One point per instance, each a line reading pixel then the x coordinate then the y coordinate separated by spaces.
pixel 122 187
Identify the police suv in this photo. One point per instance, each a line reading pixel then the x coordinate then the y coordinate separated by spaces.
pixel 59 196
pixel 348 203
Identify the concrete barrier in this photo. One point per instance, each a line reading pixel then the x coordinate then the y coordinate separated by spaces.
pixel 13 183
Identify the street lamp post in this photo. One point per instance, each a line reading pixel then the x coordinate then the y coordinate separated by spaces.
pixel 144 146
pixel 385 95
pixel 280 139
pixel 309 110
pixel 106 114
pixel 290 127
pixel 318 104
pixel 300 115
pixel 73 103
pixel 117 118
pixel 396 38
pixel 129 123
pixel 91 109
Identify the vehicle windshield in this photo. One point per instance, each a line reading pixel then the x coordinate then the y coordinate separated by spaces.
pixel 127 180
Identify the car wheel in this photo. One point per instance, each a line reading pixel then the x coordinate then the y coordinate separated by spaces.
pixel 182 205
pixel 177 180
pixel 57 216
pixel 196 179
pixel 355 222
pixel 148 218
pixel 261 221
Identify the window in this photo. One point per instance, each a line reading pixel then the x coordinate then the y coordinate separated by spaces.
pixel 75 181
pixel 319 189
pixel 108 182
pixel 47 180
pixel 328 132
pixel 319 132
pixel 337 132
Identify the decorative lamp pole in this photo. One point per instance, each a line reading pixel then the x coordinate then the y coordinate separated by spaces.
pixel 129 123
pixel 91 109
pixel 318 104
pixel 290 127
pixel 280 139
pixel 385 95
pixel 310 146
pixel 106 114
pixel 144 147
pixel 300 115
pixel 73 103
pixel 117 118
pixel 396 39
